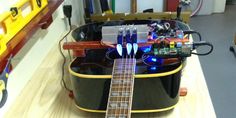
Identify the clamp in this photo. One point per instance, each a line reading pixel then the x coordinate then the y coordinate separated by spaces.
pixel 3 82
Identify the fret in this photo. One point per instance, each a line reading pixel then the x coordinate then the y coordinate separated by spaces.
pixel 118 111
pixel 120 94
pixel 119 104
pixel 121 81
pixel 118 107
pixel 118 76
pixel 118 98
pixel 118 116
pixel 121 89
pixel 123 72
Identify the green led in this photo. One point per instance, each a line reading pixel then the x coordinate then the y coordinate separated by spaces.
pixel 155 51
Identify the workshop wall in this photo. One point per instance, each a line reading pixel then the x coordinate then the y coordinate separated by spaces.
pixel 5 5
pixel 35 50
pixel 77 11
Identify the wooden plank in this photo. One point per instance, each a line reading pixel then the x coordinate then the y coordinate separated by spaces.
pixel 44 97
pixel 185 16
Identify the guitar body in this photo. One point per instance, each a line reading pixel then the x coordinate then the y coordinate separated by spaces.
pixel 91 78
pixel 155 89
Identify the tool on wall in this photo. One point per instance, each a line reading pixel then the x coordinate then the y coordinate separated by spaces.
pixel 133 6
pixel 88 9
pixel 188 5
pixel 3 82
pixel 105 7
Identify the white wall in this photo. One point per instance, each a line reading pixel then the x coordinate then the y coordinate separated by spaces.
pixel 77 11
pixel 6 4
pixel 35 50
pixel 208 7
pixel 219 6
pixel 123 6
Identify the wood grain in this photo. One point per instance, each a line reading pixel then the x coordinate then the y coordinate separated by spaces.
pixel 44 97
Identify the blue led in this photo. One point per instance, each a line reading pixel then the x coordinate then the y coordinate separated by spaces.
pixel 153 68
pixel 154 35
pixel 146 49
pixel 154 59
pixel 181 36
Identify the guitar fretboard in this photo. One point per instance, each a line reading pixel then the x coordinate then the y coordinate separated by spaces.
pixel 121 89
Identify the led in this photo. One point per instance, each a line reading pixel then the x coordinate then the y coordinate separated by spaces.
pixel 154 59
pixel 129 48
pixel 119 49
pixel 146 49
pixel 153 68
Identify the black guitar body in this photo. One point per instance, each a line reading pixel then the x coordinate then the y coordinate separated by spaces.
pixel 156 88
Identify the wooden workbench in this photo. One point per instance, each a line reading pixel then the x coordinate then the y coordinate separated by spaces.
pixel 43 96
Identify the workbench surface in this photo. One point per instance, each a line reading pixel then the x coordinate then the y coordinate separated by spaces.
pixel 44 97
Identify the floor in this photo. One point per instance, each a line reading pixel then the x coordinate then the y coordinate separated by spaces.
pixel 220 67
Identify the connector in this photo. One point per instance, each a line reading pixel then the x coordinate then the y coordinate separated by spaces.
pixel 67 10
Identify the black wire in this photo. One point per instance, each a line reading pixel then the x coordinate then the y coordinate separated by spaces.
pixel 151 53
pixel 196 45
pixel 64 61
pixel 193 32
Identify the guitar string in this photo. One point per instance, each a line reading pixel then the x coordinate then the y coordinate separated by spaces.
pixel 129 84
pixel 132 88
pixel 119 84
pixel 122 86
pixel 126 84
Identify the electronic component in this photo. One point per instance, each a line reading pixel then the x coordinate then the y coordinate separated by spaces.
pixel 180 34
pixel 119 41
pixel 134 40
pixel 128 41
pixel 171 50
pixel 109 33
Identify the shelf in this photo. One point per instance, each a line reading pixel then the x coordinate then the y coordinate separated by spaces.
pixel 42 20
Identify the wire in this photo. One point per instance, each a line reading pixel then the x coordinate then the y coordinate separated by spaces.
pixel 198 8
pixel 144 57
pixel 64 61
pixel 193 32
pixel 108 54
pixel 202 43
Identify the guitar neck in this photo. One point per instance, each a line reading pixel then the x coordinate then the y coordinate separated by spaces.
pixel 121 89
